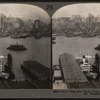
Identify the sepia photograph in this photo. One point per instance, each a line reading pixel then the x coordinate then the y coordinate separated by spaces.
pixel 24 47
pixel 49 49
pixel 76 46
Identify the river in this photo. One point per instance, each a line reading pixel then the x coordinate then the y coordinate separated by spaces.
pixel 37 49
pixel 74 46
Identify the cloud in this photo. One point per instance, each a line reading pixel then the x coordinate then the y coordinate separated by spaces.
pixel 82 9
pixel 25 11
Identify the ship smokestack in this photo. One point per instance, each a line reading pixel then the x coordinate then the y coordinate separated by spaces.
pixel 84 59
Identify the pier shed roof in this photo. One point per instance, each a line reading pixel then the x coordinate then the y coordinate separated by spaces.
pixel 70 69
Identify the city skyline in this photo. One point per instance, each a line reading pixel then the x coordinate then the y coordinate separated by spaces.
pixel 24 11
pixel 78 9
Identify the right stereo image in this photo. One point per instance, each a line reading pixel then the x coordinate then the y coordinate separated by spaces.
pixel 76 46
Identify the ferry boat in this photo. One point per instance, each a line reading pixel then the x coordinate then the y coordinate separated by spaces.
pixel 84 62
pixel 17 47
pixel 85 66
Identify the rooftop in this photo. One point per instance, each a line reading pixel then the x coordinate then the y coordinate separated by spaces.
pixel 70 68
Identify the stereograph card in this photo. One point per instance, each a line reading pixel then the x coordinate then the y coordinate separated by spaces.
pixel 49 49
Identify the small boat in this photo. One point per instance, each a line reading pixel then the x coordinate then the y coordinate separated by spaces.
pixel 53 42
pixel 53 36
pixel 16 47
pixel 24 36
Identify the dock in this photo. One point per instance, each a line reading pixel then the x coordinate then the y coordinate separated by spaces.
pixel 70 69
pixel 38 73
pixel 72 74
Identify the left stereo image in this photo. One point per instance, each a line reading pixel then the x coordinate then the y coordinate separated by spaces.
pixel 25 47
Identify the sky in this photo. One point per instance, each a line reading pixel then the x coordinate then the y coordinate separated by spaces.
pixel 82 9
pixel 25 11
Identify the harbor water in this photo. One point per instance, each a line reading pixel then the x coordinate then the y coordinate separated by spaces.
pixel 37 49
pixel 74 45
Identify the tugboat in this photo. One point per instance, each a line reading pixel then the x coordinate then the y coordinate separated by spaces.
pixel 17 47
pixel 98 47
